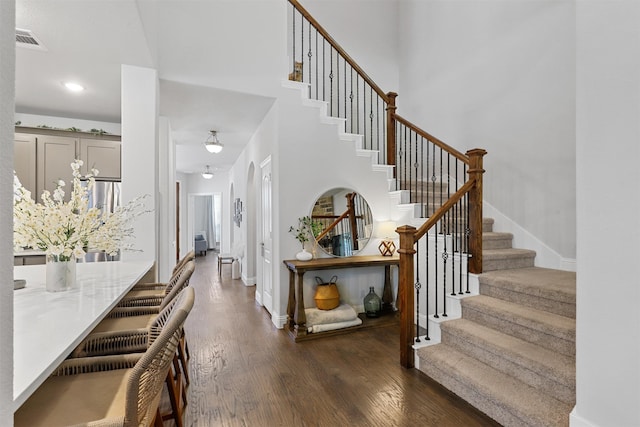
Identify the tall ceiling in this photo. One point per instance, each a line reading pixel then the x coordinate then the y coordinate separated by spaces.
pixel 219 63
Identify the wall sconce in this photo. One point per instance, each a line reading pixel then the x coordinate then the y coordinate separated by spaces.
pixel 207 174
pixel 386 230
pixel 212 144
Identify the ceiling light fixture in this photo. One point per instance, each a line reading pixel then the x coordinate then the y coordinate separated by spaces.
pixel 73 87
pixel 207 174
pixel 212 144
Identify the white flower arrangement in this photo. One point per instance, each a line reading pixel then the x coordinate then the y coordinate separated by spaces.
pixel 66 229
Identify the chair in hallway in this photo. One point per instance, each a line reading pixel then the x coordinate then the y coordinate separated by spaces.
pixel 200 243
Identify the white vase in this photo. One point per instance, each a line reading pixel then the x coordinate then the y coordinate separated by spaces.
pixel 61 275
pixel 304 255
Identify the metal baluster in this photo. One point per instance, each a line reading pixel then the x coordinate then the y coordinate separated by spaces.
pixel 302 46
pixel 293 38
pixel 459 235
pixel 317 96
pixel 371 121
pixel 331 82
pixel 435 269
pixel 310 55
pixel 351 99
pixel 324 73
pixel 467 232
pixel 426 207
pixel 378 127
pixel 338 81
pixel 445 257
pixel 357 103
pixel 345 92
pixel 417 287
pixel 410 167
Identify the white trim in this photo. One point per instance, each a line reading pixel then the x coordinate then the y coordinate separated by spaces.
pixel 249 281
pixel 279 320
pixel 577 421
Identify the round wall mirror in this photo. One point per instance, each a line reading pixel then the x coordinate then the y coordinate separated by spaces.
pixel 342 222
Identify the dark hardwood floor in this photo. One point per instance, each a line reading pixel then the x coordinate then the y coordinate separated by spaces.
pixel 246 372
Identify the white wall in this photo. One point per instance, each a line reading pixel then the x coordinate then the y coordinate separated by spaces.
pixel 310 159
pixel 608 201
pixel 7 67
pixel 367 31
pixel 140 154
pixel 499 75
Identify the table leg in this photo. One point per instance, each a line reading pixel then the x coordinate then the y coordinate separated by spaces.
pixel 299 317
pixel 291 304
pixel 387 295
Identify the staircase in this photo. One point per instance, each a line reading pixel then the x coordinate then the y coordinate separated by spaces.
pixel 511 354
pixel 511 349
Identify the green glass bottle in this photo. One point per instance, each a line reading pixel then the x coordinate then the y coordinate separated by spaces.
pixel 372 304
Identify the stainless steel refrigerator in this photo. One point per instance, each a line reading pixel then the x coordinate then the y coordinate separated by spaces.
pixel 106 196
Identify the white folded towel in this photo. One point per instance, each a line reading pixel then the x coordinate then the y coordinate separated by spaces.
pixel 342 313
pixel 332 326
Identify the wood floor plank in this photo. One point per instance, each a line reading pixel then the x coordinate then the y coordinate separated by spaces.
pixel 246 372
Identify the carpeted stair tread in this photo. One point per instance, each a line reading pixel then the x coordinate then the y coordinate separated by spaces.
pixel 504 398
pixel 503 259
pixel 543 288
pixel 539 367
pixel 507 253
pixel 496 240
pixel 548 329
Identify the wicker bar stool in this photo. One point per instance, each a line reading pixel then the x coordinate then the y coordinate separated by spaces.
pixel 117 390
pixel 129 330
pixel 136 296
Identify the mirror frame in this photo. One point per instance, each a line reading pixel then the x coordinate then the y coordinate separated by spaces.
pixel 353 213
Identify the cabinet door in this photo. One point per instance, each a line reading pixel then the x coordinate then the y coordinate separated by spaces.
pixel 54 156
pixel 24 161
pixel 102 155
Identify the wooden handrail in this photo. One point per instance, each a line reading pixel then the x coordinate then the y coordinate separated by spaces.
pixel 333 225
pixel 437 215
pixel 340 50
pixel 433 139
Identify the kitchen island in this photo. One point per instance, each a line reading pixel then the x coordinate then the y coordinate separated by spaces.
pixel 48 326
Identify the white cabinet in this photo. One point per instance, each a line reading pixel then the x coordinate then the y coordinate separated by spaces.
pixel 24 160
pixel 102 155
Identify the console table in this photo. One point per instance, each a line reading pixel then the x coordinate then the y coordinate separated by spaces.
pixel 295 306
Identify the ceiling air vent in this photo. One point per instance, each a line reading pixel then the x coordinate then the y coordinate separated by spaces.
pixel 25 38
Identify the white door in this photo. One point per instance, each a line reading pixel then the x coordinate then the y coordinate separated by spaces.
pixel 267 236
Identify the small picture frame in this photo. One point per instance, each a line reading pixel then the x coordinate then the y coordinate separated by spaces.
pixel 237 212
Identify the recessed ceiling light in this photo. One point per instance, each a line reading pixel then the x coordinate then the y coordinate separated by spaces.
pixel 73 87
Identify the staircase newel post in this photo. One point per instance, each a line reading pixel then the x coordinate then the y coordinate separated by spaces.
pixel 405 294
pixel 391 130
pixel 475 172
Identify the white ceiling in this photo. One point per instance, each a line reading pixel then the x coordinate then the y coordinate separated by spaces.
pixel 218 61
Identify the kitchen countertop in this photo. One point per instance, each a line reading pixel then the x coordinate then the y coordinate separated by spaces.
pixel 48 326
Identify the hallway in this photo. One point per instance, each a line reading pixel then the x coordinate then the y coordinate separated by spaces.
pixel 245 372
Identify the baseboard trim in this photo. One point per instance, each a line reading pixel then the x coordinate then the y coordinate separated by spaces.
pixel 576 420
pixel 249 281
pixel 278 320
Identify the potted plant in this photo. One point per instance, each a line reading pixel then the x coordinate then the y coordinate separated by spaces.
pixel 303 233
